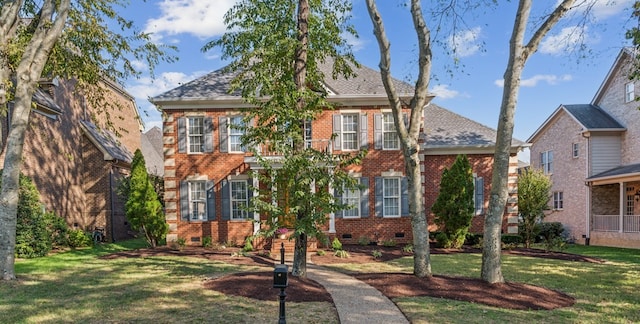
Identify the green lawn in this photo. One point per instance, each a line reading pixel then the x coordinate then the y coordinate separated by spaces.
pixel 77 286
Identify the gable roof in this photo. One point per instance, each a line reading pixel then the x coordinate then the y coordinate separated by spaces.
pixel 590 117
pixel 213 89
pixel 446 130
pixel 44 101
pixel 107 143
pixel 624 54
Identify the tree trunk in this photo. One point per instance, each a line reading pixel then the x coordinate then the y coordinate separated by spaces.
pixel 409 136
pixel 518 54
pixel 27 75
pixel 300 253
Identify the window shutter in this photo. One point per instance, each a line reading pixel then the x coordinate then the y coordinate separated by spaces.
pixel 364 197
pixel 338 197
pixel 211 200
pixel 184 200
pixel 379 198
pixel 364 132
pixel 226 200
pixel 404 196
pixel 224 134
pixel 479 195
pixel 208 135
pixel 337 132
pixel 182 135
pixel 377 131
pixel 249 196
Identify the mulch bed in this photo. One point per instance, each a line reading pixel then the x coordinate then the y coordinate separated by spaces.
pixel 509 295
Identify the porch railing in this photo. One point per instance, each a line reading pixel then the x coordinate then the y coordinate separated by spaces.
pixel 611 223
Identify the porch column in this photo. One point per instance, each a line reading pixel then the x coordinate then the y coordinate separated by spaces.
pixel 622 207
pixel 332 215
pixel 256 215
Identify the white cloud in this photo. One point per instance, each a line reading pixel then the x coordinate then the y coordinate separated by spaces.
pixel 550 79
pixel 602 9
pixel 567 39
pixel 442 91
pixel 465 43
pixel 201 18
pixel 356 43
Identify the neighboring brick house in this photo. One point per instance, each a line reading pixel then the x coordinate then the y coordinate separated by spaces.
pixel 592 154
pixel 76 164
pixel 207 173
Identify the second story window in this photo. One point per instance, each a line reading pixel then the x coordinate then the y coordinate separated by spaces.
pixel 196 134
pixel 390 140
pixel 575 150
pixel 350 131
pixel 629 93
pixel 546 162
pixel 231 131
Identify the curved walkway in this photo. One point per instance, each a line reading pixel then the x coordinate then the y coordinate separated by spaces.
pixel 356 301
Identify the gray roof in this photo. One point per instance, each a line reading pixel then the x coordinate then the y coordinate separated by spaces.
pixel 448 129
pixel 44 100
pixel 218 83
pixel 593 117
pixel 618 171
pixel 151 148
pixel 106 142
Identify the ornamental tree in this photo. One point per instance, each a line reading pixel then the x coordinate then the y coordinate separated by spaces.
pixel 533 199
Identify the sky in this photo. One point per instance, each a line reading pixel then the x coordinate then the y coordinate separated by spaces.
pixel 557 74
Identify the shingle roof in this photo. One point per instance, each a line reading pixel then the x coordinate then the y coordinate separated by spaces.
pixel 151 148
pixel 106 142
pixel 447 129
pixel 593 117
pixel 618 171
pixel 217 84
pixel 43 99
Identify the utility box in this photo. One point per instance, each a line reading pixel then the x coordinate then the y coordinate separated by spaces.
pixel 280 276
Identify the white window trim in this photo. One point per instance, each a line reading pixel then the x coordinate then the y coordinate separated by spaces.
pixel 203 216
pixel 557 201
pixel 575 150
pixel 629 92
pixel 384 131
pixel 356 207
pixel 188 131
pixel 229 130
pixel 399 197
pixel 342 131
pixel 545 163
pixel 232 199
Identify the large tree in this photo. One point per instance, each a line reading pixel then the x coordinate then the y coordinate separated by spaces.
pixel 276 47
pixel 519 52
pixel 57 38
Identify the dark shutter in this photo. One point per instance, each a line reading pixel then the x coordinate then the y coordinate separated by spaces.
pixel 208 135
pixel 184 200
pixel 224 134
pixel 338 197
pixel 249 196
pixel 337 132
pixel 364 132
pixel 479 195
pixel 379 196
pixel 377 131
pixel 226 200
pixel 211 200
pixel 182 135
pixel 404 196
pixel 364 197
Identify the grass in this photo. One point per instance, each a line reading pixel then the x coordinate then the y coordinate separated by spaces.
pixel 77 286
pixel 605 293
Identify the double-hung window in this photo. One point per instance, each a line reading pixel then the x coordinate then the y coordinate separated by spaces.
pixel 558 203
pixel 478 194
pixel 546 162
pixel 391 197
pixel 575 150
pixel 390 140
pixel 350 132
pixel 629 92
pixel 236 130
pixel 197 200
pixel 351 197
pixel 239 199
pixel 195 135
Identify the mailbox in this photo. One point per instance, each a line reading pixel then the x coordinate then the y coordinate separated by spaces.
pixel 280 276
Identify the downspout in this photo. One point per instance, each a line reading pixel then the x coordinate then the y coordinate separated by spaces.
pixel 588 190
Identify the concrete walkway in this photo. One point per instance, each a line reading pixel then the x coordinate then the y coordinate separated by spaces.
pixel 356 301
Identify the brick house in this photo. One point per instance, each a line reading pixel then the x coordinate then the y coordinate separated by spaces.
pixel 592 154
pixel 207 173
pixel 73 161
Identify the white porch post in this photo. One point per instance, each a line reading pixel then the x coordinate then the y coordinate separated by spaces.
pixel 332 215
pixel 621 211
pixel 256 215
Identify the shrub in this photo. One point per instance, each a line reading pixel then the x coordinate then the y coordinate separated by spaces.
pixel 443 240
pixel 511 239
pixel 376 254
pixel 207 242
pixel 407 248
pixel 533 197
pixel 58 229
pixel 321 252
pixel 389 243
pixel 363 240
pixel 248 245
pixel 473 239
pixel 33 238
pixel 550 230
pixel 78 238
pixel 341 254
pixel 336 245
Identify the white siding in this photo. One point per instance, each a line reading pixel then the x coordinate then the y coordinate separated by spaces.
pixel 605 153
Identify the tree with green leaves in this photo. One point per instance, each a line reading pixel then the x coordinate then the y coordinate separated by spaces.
pixel 276 47
pixel 454 206
pixel 143 208
pixel 68 40
pixel 634 35
pixel 533 199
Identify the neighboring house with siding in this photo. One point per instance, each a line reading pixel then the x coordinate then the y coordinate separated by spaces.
pixel 208 173
pixel 75 163
pixel 592 154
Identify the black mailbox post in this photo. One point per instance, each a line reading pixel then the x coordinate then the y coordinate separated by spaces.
pixel 280 276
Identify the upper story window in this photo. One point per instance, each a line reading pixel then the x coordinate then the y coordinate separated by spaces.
pixel 390 140
pixel 231 131
pixel 350 130
pixel 195 131
pixel 629 93
pixel 546 162
pixel 575 148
